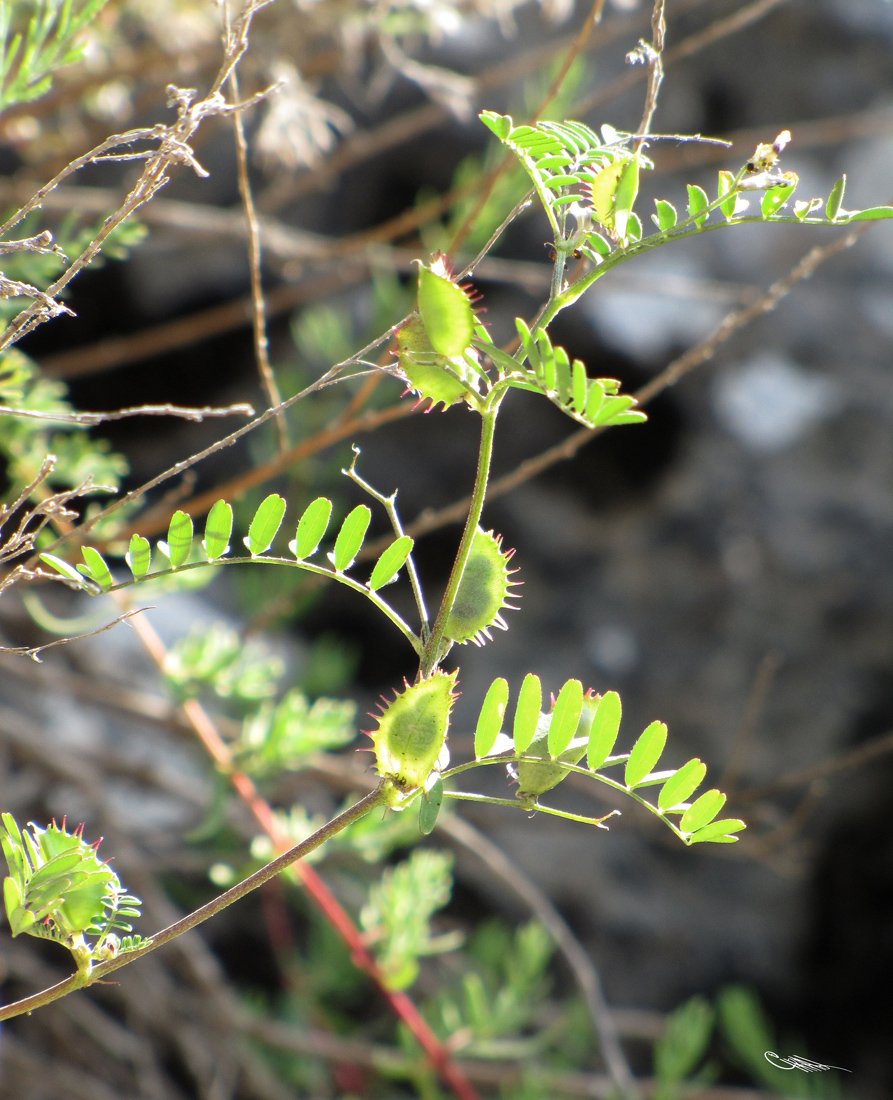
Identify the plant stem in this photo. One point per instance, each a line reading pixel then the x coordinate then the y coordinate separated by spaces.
pixel 433 651
pixel 192 920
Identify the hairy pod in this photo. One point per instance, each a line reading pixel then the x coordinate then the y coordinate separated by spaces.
pixel 412 730
pixel 483 591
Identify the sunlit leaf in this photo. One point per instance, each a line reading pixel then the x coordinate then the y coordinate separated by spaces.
pixel 605 727
pixel 727 206
pixel 872 214
pixel 678 788
pixel 527 712
pixel 645 754
pixel 666 216
pixel 391 562
pixel 565 717
pixel 719 832
pixel 179 539
pixel 311 528
pixel 63 567
pixel 835 199
pixel 139 556
pixel 218 528
pixel 490 719
pixel 96 568
pixel 697 201
pixel 266 522
pixel 702 811
pixel 350 537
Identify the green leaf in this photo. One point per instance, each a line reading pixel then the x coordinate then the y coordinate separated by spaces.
pixel 429 807
pixel 681 785
pixel 565 717
pixel 218 528
pixel 491 716
pixel 605 727
pixel 350 537
pixel 595 398
pixel 527 712
pixel 96 568
pixel 501 125
pixel 683 1044
pixel 179 539
pixel 645 754
pixel 727 206
pixel 775 198
pixel 529 345
pixel 559 160
pixel 266 522
pixel 719 832
pixel 802 208
pixel 391 562
pixel 139 556
pixel 666 216
pixel 311 528
pixel 697 201
pixel 835 199
pixel 579 386
pixel 702 811
pixel 872 214
pixel 67 571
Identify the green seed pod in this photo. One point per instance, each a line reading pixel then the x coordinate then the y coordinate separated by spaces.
pixel 424 370
pixel 445 308
pixel 483 591
pixel 536 778
pixel 411 732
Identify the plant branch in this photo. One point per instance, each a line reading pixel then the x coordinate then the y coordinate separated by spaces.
pixel 434 651
pixel 199 916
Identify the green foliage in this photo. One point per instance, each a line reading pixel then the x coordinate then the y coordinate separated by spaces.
pixel 284 736
pixel 682 1046
pixel 216 658
pixel 548 746
pixel 36 40
pixel 397 915
pixel 59 889
pixel 25 441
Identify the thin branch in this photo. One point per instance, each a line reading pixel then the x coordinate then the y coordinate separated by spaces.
pixel 651 56
pixel 85 418
pixel 696 42
pixel 259 320
pixel 34 651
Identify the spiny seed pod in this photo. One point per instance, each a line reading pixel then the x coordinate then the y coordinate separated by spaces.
pixel 445 308
pixel 425 371
pixel 536 778
pixel 411 731
pixel 483 591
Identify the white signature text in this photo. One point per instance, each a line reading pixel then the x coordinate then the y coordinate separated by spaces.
pixel 794 1061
